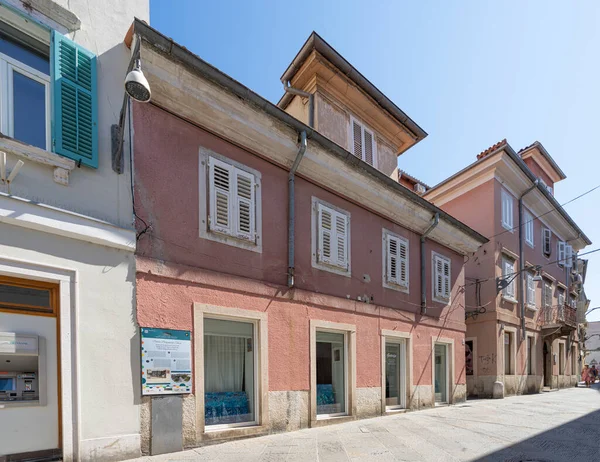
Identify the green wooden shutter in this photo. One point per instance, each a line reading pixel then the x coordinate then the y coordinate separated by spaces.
pixel 75 123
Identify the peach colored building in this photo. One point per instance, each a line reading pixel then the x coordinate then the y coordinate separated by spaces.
pixel 523 287
pixel 292 253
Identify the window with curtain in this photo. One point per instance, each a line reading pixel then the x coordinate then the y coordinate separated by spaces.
pixel 229 372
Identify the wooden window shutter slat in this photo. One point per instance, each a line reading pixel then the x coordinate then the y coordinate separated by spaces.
pixel 220 196
pixel 74 88
pixel 325 220
pixel 244 185
pixel 357 139
pixel 368 147
pixel 392 258
pixel 341 239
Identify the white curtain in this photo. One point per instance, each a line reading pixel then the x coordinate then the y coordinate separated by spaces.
pixel 223 363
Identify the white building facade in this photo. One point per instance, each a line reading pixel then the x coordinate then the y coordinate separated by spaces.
pixel 69 343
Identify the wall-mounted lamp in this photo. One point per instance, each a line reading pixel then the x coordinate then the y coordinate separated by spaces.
pixel 538 273
pixel 136 84
pixel 502 326
pixel 13 173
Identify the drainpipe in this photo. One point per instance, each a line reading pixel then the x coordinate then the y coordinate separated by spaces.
pixel 291 199
pixel 311 101
pixel 521 262
pixel 434 223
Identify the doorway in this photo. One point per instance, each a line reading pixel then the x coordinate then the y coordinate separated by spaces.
pixel 547 365
pixel 440 375
pixel 395 375
pixel 30 367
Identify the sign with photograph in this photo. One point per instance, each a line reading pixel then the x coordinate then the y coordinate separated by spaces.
pixel 166 361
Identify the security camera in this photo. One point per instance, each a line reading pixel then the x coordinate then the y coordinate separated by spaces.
pixel 136 84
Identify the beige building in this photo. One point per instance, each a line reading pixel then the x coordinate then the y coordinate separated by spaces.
pixel 523 287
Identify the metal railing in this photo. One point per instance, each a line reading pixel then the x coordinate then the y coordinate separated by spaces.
pixel 558 314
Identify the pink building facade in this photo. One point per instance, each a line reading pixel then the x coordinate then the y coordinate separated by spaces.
pixel 524 306
pixel 353 335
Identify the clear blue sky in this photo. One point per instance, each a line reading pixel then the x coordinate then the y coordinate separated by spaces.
pixel 469 72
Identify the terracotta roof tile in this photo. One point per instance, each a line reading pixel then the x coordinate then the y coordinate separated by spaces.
pixel 491 149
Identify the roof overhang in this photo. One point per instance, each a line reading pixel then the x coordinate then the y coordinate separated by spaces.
pixel 192 89
pixel 316 43
pixel 505 165
pixel 544 160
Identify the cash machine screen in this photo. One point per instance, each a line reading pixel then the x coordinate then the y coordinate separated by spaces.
pixel 7 384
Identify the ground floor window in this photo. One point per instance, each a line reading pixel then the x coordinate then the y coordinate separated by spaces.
pixel 395 374
pixel 529 355
pixel 331 365
pixel 469 356
pixel 441 373
pixel 229 372
pixel 574 368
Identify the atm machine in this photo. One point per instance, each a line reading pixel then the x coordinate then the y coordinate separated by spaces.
pixel 20 367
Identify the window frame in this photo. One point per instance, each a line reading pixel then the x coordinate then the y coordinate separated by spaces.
pixel 401 287
pixel 546 230
pixel 507 216
pixel 396 337
pixel 315 263
pixel 435 255
pixel 529 228
pixel 261 414
pixel 9 65
pixel 256 385
pixel 363 128
pixel 205 197
pixel 561 252
pixel 349 331
pixel 512 335
pixel 506 294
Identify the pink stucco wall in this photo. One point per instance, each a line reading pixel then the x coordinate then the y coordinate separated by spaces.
pixel 177 268
pixel 537 171
pixel 167 197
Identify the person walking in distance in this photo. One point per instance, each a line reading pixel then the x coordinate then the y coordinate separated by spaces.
pixel 585 375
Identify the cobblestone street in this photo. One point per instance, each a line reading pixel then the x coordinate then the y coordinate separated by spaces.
pixel 556 426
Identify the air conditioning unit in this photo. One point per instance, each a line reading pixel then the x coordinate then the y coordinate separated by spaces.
pixel 419 188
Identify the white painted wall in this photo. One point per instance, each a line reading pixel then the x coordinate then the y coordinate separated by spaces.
pixel 100 337
pixel 98 193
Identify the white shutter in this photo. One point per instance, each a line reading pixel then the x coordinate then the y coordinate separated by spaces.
pixel 441 273
pixel 341 236
pixel 530 290
pixel 447 279
pixel 547 295
pixel 439 278
pixel 244 194
pixel 325 220
pixel 528 227
pixel 561 298
pixel 357 139
pixel 507 210
pixel 369 148
pixel 546 239
pixel 221 204
pixel 568 256
pixel 509 290
pixel 397 260
pixel 561 253
pixel 333 237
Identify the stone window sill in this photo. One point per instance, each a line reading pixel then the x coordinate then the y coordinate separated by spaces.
pixel 62 165
pixel 510 300
pixel 530 308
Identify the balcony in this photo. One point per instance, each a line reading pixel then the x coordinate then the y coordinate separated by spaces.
pixel 557 320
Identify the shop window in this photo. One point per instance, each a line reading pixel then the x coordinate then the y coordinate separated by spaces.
pixel 230 379
pixel 331 365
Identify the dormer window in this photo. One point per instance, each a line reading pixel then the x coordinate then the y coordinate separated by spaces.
pixel 362 142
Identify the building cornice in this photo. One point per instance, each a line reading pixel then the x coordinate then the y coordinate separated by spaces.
pixel 188 87
pixel 40 217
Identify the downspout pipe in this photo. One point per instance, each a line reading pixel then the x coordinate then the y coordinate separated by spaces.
pixel 434 223
pixel 291 204
pixel 311 101
pixel 521 260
